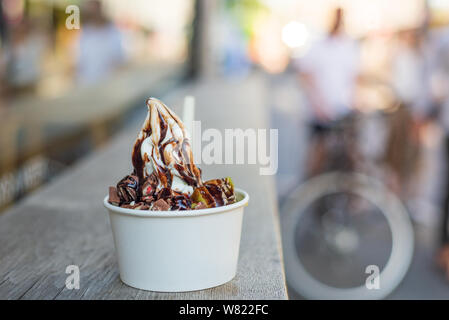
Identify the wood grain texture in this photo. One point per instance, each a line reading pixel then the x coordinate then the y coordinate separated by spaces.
pixel 65 223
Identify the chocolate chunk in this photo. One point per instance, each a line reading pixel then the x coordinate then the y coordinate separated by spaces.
pixel 201 194
pixel 141 206
pixel 217 193
pixel 148 199
pixel 113 196
pixel 222 190
pixel 127 188
pixel 181 202
pixel 149 185
pixel 137 206
pixel 165 194
pixel 160 205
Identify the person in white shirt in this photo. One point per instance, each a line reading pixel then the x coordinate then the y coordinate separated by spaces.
pixel 328 74
pixel 411 68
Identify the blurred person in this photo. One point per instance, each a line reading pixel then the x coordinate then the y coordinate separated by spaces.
pixel 235 59
pixel 23 54
pixel 100 45
pixel 402 151
pixel 411 69
pixel 441 96
pixel 422 73
pixel 435 48
pixel 328 74
pixel 410 79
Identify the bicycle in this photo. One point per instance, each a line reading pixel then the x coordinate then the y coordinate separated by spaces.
pixel 336 217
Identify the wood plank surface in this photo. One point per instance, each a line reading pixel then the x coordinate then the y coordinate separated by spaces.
pixel 65 222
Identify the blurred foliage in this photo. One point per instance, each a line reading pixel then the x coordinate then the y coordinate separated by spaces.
pixel 246 13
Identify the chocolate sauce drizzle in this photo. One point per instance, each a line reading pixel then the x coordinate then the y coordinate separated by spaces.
pixel 180 159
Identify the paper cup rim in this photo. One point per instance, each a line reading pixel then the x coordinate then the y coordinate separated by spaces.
pixel 180 213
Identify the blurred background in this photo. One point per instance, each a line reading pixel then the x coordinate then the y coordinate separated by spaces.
pixel 380 66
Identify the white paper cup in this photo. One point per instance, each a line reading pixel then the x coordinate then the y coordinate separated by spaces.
pixel 174 251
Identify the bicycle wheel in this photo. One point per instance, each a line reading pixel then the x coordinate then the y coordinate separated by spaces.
pixel 397 220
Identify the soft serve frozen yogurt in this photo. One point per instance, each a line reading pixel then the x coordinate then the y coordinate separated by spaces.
pixel 165 176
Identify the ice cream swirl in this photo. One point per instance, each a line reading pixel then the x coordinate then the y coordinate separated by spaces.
pixel 162 147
